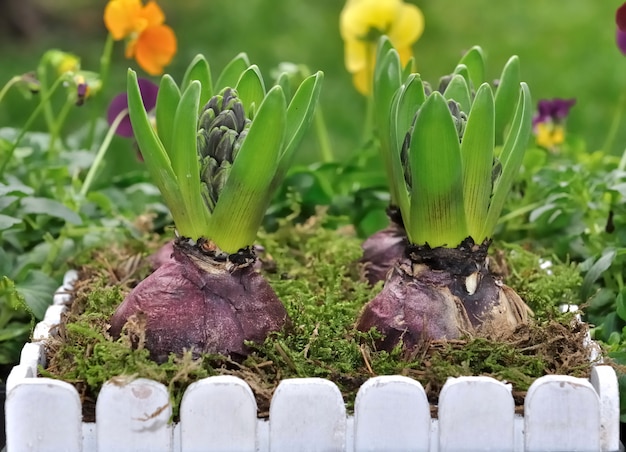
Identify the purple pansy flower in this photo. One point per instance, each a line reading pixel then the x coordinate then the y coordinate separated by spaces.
pixel 553 110
pixel 620 20
pixel 119 103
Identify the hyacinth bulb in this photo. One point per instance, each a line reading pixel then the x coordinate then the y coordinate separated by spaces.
pixel 383 249
pixel 200 301
pixel 442 293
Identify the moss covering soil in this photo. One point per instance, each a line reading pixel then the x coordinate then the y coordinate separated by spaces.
pixel 315 272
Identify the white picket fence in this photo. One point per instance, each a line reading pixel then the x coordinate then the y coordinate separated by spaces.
pixel 392 413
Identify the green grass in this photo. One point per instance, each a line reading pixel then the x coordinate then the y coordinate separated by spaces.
pixel 567 50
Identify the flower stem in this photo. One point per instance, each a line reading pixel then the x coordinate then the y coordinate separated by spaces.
pixel 322 136
pixel 610 137
pixel 42 75
pixel 9 84
pixel 55 133
pixel 105 66
pixel 42 103
pixel 101 152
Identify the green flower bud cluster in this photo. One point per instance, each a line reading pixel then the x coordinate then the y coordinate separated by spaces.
pixel 222 129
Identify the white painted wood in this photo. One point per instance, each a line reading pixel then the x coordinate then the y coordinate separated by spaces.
pixel 306 415
pixel 476 414
pixel 17 375
pixel 33 355
pixel 134 416
pixel 263 435
pixel 69 278
pixel 562 413
pixel 391 413
pixel 43 415
pixel 218 414
pixel 604 381
pixel 51 319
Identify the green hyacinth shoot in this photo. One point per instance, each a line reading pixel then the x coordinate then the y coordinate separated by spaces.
pixel 221 148
pixel 451 154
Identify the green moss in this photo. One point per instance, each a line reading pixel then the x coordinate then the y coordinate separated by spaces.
pixel 543 289
pixel 315 272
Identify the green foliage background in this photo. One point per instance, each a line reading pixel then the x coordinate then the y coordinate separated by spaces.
pixel 567 50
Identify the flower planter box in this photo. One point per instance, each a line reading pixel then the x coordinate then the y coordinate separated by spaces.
pixel 561 413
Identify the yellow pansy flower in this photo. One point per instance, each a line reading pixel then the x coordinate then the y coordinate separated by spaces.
pixel 362 22
pixel 148 40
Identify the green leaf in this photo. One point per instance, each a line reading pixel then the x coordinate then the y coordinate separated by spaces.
pixel 437 211
pixel 15 189
pixel 7 222
pixel 241 206
pixel 185 164
pixel 299 116
pixel 167 101
pixel 284 82
pixel 477 149
pixel 461 70
pixel 511 156
pixel 595 272
pixel 231 73
pixel 474 60
pixel 154 154
pixel 406 103
pixel 50 207
pixel 620 302
pixel 458 90
pixel 387 81
pixel 199 70
pixel 37 289
pixel 251 89
pixel 506 97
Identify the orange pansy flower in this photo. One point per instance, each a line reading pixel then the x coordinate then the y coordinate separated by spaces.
pixel 149 41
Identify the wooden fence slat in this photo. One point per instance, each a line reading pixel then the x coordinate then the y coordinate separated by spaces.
pixel 51 319
pixel 218 414
pixel 476 413
pixel 43 415
pixel 391 413
pixel 33 354
pixel 307 414
pixel 604 381
pixel 134 414
pixel 561 413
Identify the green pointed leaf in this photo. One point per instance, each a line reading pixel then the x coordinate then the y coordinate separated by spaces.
pixel 185 162
pixel 251 89
pixel 511 156
pixel 299 116
pixel 411 99
pixel 167 101
pixel 459 91
pixel 437 211
pixel 409 68
pixel 284 82
pixel 387 81
pixel 241 206
pixel 408 100
pixel 200 70
pixel 461 70
pixel 477 149
pixel 474 60
pixel 231 73
pixel 506 97
pixel 153 152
